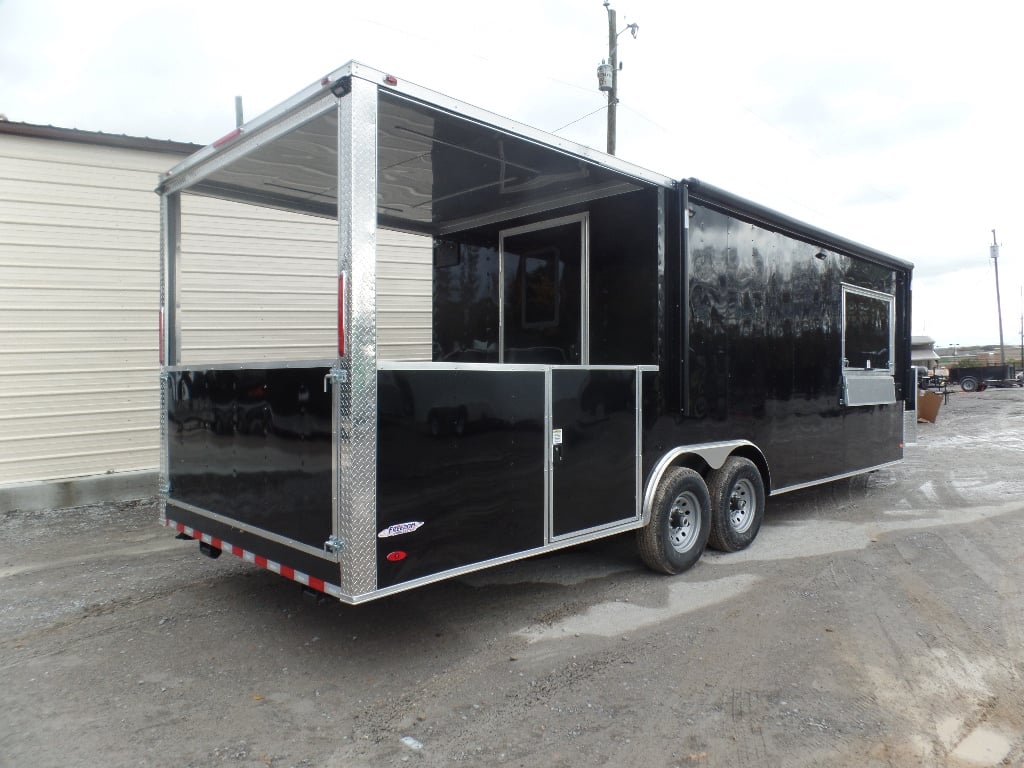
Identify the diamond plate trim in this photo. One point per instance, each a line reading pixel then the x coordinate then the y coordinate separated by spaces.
pixel 170 223
pixel 357 400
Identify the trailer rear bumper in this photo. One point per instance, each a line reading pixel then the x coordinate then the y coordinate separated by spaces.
pixel 318 583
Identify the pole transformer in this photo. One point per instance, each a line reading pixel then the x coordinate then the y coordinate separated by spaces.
pixel 608 72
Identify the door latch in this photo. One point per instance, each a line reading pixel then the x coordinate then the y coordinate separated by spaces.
pixel 557 446
pixel 335 375
pixel 333 545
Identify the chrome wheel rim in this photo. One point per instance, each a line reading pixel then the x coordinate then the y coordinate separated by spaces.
pixel 684 522
pixel 742 505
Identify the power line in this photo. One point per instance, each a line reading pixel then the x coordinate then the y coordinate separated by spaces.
pixel 599 109
pixel 501 65
pixel 788 135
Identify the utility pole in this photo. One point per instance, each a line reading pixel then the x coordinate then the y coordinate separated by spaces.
pixel 613 59
pixel 608 73
pixel 994 252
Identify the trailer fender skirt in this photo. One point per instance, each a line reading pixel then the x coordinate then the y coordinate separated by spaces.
pixel 713 454
pixel 251 557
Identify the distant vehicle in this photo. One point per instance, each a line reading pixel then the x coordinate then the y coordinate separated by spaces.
pixel 927 380
pixel 978 378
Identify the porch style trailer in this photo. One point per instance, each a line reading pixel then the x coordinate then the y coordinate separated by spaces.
pixel 575 348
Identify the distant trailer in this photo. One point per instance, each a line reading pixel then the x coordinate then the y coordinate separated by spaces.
pixel 979 377
pixel 604 349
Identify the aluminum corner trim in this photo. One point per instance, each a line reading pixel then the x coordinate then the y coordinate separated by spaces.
pixel 356 381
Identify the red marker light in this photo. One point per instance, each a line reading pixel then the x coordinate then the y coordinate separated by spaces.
pixel 390 80
pixel 341 315
pixel 397 556
pixel 227 137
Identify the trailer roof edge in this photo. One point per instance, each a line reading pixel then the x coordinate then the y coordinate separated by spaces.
pixel 419 93
pixel 702 191
pixel 486 117
pixel 257 125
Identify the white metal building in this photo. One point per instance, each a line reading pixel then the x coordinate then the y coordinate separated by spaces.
pixel 79 285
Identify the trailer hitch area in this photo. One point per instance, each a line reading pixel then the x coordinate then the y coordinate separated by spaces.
pixel 209 550
pixel 314 596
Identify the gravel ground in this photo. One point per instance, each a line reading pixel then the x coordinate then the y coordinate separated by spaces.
pixel 875 622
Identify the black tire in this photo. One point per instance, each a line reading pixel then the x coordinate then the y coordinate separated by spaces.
pixel 675 536
pixel 737 504
pixel 969 384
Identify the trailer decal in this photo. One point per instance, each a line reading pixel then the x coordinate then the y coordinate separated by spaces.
pixel 398 529
pixel 251 557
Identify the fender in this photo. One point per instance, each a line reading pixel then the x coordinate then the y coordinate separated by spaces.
pixel 714 454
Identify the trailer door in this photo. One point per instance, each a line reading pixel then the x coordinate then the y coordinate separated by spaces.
pixel 542 282
pixel 250 455
pixel 594 448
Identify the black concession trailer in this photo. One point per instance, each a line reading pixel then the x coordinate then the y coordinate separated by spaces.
pixel 605 349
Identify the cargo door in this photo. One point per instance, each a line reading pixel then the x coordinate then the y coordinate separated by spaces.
pixel 594 448
pixel 251 449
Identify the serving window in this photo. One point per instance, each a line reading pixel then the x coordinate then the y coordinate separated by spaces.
pixel 868 340
pixel 867 329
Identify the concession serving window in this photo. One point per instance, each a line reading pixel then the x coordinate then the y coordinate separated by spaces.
pixel 868 340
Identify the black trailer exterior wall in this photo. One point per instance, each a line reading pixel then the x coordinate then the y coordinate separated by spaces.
pixel 612 350
pixel 795 340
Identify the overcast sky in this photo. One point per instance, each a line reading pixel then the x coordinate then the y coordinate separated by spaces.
pixel 897 124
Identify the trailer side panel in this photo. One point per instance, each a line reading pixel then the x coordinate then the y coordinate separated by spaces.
pixel 764 358
pixel 461 463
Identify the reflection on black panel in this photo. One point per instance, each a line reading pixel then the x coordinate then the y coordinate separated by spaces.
pixel 765 353
pixel 437 170
pixel 623 283
pixel 594 473
pixel 465 302
pixel 460 468
pixel 254 446
pixel 624 280
pixel 866 332
pixel 543 289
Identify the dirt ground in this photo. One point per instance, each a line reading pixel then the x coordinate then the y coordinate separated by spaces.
pixel 875 622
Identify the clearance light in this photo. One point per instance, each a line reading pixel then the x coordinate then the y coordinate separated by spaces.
pixel 341 315
pixel 397 556
pixel 228 137
pixel 390 80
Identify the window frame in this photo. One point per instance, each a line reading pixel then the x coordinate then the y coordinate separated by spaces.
pixel 890 301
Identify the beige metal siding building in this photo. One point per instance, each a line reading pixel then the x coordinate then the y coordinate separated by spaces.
pixel 79 285
pixel 260 284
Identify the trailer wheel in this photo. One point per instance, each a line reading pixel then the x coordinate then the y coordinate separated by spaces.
pixel 969 384
pixel 737 504
pixel 675 536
